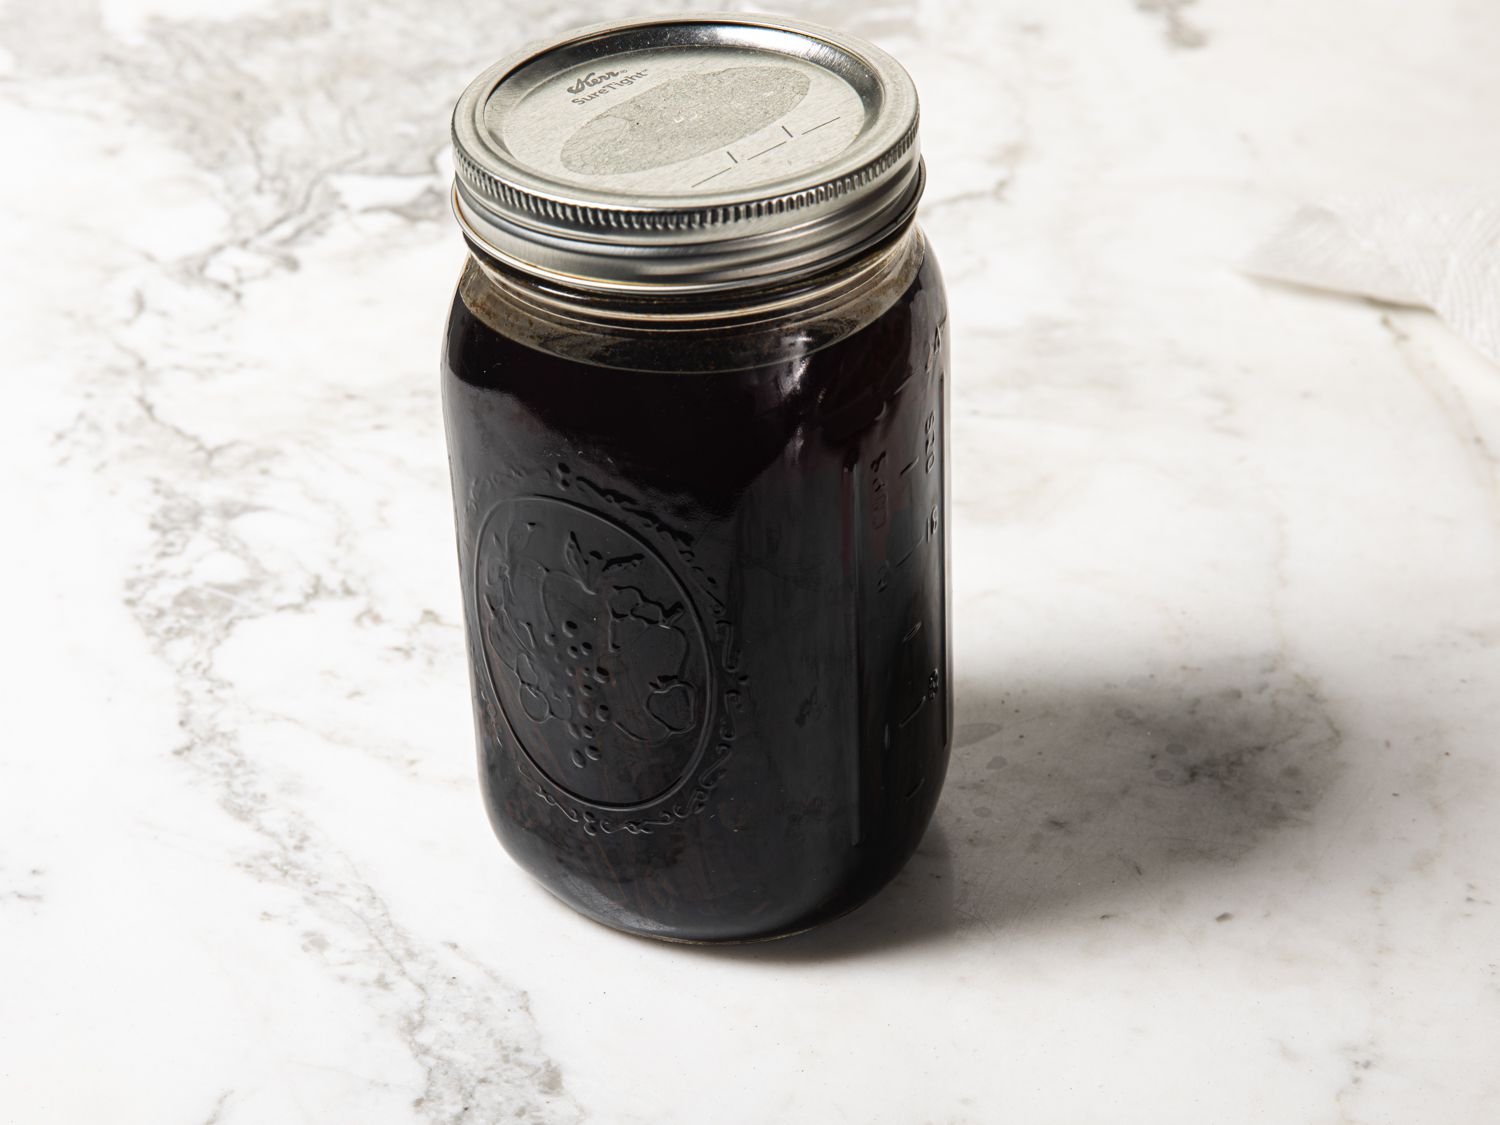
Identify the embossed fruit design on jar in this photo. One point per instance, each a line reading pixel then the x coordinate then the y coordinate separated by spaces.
pixel 694 386
pixel 592 649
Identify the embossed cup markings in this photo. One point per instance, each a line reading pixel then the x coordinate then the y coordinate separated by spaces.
pixel 931 687
pixel 902 529
pixel 879 501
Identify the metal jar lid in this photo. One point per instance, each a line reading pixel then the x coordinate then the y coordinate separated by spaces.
pixel 686 153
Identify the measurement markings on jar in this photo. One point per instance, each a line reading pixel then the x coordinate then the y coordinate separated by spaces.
pixel 715 176
pixel 733 160
pixel 818 126
pixel 763 151
pixel 789 135
pixel 915 547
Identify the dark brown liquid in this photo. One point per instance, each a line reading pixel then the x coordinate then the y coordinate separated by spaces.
pixel 707 616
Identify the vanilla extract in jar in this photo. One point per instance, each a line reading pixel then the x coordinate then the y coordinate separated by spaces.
pixel 694 387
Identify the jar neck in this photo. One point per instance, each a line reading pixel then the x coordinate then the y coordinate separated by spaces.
pixel 659 312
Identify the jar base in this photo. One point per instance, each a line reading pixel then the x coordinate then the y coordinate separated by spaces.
pixel 796 929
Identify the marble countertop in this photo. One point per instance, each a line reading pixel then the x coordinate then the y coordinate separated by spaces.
pixel 1220 838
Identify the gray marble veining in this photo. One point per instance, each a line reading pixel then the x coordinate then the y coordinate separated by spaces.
pixel 1218 837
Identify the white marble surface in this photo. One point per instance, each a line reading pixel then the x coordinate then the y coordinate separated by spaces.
pixel 1220 839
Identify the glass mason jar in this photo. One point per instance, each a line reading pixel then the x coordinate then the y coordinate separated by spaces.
pixel 695 388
